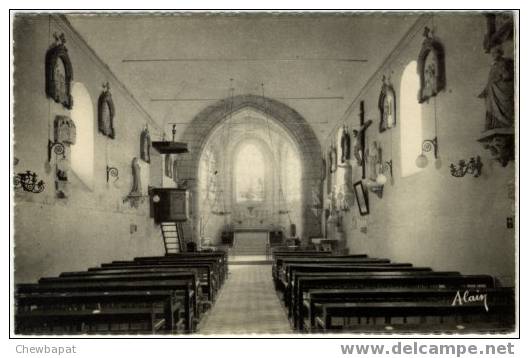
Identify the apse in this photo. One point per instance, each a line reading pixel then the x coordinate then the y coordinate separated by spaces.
pixel 249 178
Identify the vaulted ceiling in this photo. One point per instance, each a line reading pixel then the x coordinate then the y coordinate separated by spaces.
pixel 175 65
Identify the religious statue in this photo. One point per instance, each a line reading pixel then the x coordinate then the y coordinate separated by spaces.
pixel 136 178
pixel 431 67
pixel 499 92
pixel 59 72
pixel 498 136
pixel 145 145
pixel 357 147
pixel 345 144
pixel 105 112
pixel 374 159
pixel 64 130
pixel 332 158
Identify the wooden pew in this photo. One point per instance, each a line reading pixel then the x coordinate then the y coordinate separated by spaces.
pixel 429 314
pixel 216 270
pixel 313 305
pixel 79 312
pixel 220 256
pixel 221 264
pixel 181 290
pixel 207 276
pixel 183 281
pixel 285 276
pixel 381 280
pixel 317 260
pixel 295 270
pixel 294 302
pixel 203 298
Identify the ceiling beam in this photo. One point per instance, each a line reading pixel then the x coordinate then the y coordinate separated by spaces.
pixel 315 98
pixel 245 59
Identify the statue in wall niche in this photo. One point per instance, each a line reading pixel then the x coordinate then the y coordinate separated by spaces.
pixel 345 144
pixel 64 130
pixel 59 72
pixel 105 112
pixel 136 178
pixel 374 159
pixel 145 145
pixel 358 150
pixel 498 136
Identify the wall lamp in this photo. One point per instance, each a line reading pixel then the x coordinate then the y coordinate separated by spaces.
pixel 28 182
pixel 473 167
pixel 112 172
pixel 427 146
pixel 377 187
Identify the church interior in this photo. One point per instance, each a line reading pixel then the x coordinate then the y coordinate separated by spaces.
pixel 264 173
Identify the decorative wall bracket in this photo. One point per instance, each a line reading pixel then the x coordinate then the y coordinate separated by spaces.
pixel 473 167
pixel 427 146
pixel 377 186
pixel 57 148
pixel 112 172
pixel 28 182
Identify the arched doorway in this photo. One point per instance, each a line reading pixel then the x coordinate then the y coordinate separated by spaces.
pixel 304 143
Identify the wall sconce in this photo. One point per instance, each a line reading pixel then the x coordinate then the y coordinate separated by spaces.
pixel 28 182
pixel 55 147
pixel 427 146
pixel 112 172
pixel 377 186
pixel 472 167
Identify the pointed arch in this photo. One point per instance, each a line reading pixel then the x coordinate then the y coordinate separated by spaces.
pixel 205 122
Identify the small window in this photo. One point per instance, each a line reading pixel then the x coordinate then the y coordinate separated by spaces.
pixel 82 152
pixel 249 174
pixel 410 120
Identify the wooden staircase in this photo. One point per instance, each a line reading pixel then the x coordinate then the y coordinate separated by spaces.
pixel 173 237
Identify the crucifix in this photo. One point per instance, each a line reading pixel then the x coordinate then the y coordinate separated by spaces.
pixel 360 140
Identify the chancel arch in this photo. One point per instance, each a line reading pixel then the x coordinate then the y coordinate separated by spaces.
pixel 268 118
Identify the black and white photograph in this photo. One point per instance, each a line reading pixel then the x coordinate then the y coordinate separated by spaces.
pixel 296 174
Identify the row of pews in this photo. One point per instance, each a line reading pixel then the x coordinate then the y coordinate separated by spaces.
pixel 147 295
pixel 356 293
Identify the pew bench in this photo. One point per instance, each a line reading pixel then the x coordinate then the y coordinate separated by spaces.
pixel 381 280
pixel 314 299
pixel 408 316
pixel 183 289
pixel 130 312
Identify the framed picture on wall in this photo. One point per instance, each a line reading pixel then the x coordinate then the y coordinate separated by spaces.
pixel 361 198
pixel 431 67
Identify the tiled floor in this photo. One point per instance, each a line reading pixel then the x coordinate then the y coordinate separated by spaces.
pixel 247 304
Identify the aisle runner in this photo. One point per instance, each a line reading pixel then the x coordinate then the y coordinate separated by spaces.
pixel 247 304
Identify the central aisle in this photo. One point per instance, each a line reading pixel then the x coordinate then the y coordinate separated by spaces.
pixel 247 304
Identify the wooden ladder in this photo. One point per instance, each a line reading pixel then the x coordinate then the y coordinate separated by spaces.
pixel 173 237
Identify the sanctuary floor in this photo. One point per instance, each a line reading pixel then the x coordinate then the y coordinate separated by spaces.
pixel 247 304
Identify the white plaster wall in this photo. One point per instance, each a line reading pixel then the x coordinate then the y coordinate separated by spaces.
pixel 91 226
pixel 431 218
